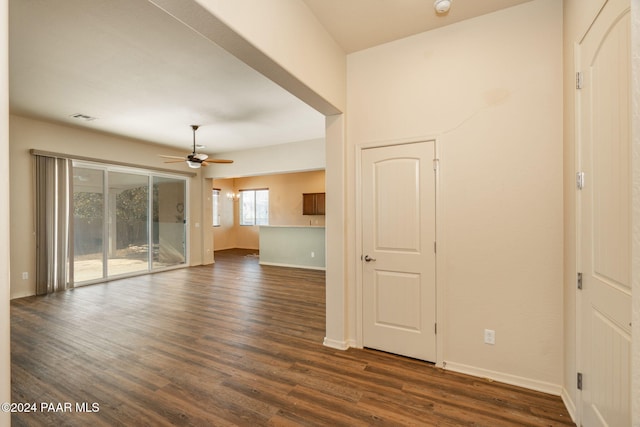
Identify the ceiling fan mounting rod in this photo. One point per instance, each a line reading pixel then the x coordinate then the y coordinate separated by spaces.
pixel 195 128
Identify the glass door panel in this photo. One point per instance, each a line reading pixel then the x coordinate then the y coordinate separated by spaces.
pixel 88 224
pixel 169 228
pixel 128 233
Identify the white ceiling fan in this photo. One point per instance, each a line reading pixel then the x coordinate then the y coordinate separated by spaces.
pixel 195 160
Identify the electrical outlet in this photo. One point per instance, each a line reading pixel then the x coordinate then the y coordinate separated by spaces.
pixel 25 275
pixel 313 254
pixel 489 336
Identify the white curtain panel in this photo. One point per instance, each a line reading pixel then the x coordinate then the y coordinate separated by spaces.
pixel 54 251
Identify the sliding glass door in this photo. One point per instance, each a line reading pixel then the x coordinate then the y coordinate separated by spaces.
pixel 169 228
pixel 88 224
pixel 126 222
pixel 128 231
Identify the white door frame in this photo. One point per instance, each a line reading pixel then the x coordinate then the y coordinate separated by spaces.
pixel 440 254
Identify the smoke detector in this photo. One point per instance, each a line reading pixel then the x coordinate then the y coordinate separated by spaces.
pixel 442 6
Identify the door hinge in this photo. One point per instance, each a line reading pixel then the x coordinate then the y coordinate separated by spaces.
pixel 579 280
pixel 579 381
pixel 436 164
pixel 580 180
pixel 435 328
pixel 435 248
pixel 579 80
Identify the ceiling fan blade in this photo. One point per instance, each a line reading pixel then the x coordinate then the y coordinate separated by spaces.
pixel 174 161
pixel 219 161
pixel 171 157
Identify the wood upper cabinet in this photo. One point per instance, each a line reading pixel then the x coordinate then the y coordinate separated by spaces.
pixel 313 203
pixel 320 204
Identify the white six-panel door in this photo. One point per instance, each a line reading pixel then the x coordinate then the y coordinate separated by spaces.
pixel 605 209
pixel 398 237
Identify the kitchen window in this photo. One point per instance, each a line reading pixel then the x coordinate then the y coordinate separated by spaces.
pixel 254 207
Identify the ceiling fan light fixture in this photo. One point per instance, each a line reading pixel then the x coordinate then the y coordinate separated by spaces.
pixel 442 6
pixel 195 160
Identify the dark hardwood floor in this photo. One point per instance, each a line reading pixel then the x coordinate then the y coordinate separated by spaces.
pixel 230 344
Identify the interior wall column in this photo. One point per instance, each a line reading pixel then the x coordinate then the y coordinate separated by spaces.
pixel 207 221
pixel 336 259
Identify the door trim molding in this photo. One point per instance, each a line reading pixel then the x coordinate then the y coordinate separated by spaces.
pixel 357 262
pixel 338 345
pixel 577 264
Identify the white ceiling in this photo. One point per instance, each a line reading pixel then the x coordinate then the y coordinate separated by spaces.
pixel 143 74
pixel 360 24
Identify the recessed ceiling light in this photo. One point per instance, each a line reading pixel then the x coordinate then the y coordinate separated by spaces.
pixel 84 117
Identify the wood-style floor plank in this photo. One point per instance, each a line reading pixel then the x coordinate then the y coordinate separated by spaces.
pixel 234 344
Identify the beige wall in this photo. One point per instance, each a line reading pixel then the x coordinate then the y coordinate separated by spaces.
pixel 224 236
pixel 490 91
pixel 5 354
pixel 285 205
pixel 26 134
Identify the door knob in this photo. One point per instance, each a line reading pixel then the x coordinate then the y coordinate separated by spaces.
pixel 368 258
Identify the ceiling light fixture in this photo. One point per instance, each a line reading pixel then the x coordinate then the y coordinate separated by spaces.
pixel 442 6
pixel 194 164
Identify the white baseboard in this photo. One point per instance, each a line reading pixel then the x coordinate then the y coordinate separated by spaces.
pixel 545 387
pixel 23 294
pixel 338 345
pixel 569 404
pixel 308 267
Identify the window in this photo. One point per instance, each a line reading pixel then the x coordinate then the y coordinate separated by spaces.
pixel 254 207
pixel 215 197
